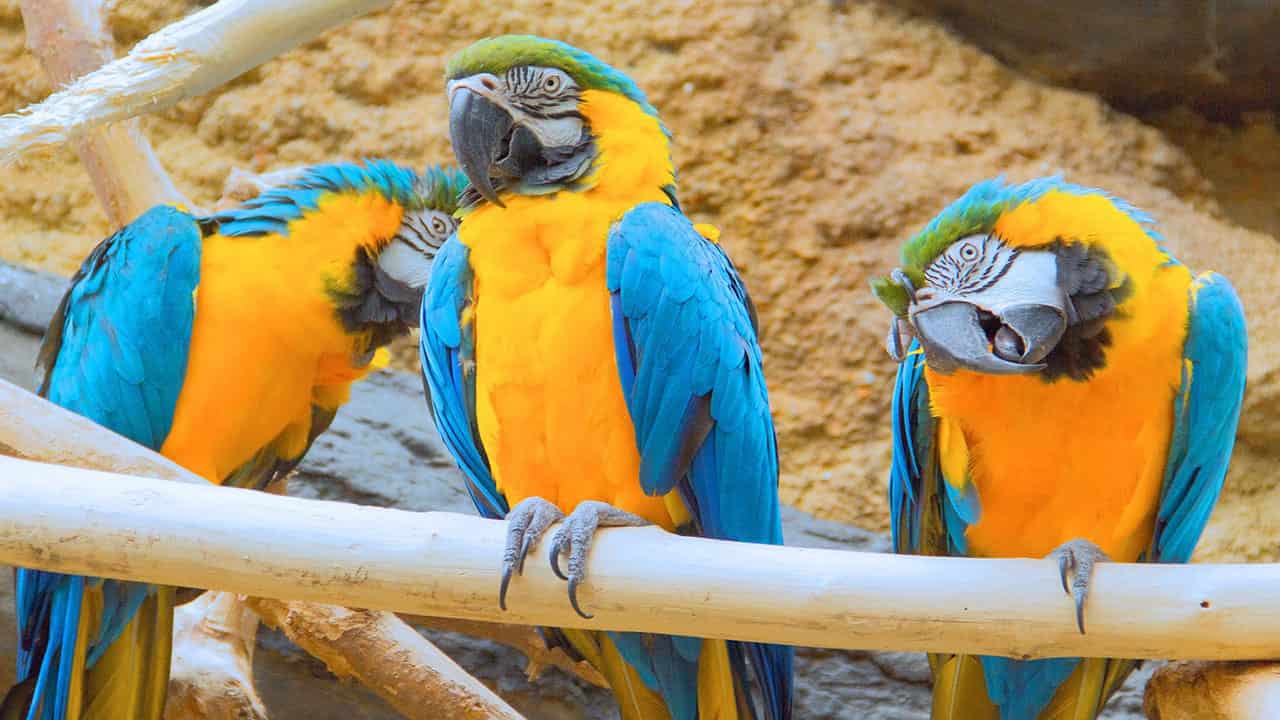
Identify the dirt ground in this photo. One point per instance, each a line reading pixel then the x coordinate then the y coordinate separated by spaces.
pixel 817 135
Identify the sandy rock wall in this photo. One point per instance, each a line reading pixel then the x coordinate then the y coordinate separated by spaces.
pixel 816 135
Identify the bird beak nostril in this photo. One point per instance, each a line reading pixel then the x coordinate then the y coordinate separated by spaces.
pixel 489 84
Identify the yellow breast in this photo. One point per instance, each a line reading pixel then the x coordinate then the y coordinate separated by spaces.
pixel 549 403
pixel 266 342
pixel 1057 461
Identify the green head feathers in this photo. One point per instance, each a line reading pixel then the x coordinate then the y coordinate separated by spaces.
pixel 440 186
pixel 499 54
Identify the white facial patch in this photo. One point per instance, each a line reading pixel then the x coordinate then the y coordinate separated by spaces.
pixel 406 263
pixel 409 255
pixel 1031 279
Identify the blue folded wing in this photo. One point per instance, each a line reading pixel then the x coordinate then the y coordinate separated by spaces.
pixel 116 353
pixel 447 353
pixel 1206 413
pixel 690 366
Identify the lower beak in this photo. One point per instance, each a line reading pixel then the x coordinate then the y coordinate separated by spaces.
pixel 477 128
pixel 958 335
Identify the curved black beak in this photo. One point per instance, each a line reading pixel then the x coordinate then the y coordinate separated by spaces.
pixel 478 128
pixel 958 335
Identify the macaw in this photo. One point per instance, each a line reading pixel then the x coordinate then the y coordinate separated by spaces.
pixel 593 352
pixel 226 342
pixel 1066 388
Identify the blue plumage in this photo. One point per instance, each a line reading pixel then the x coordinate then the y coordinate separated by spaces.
pixel 690 368
pixel 692 374
pixel 1207 411
pixel 273 210
pixel 450 389
pixel 132 294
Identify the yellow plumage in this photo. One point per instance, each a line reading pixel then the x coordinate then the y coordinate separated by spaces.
pixel 549 403
pixel 266 345
pixel 1084 459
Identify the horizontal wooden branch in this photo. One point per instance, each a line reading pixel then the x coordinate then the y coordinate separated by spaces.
pixel 641 579
pixel 185 59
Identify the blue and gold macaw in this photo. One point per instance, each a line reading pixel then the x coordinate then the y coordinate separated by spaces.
pixel 592 352
pixel 226 342
pixel 1066 388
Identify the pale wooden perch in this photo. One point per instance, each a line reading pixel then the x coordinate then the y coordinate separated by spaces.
pixel 33 428
pixel 185 59
pixel 640 579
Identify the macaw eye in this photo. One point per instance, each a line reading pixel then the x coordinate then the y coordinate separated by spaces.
pixel 552 83
pixel 969 251
pixel 439 227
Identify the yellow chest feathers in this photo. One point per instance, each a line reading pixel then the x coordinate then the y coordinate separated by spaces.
pixel 267 342
pixel 1066 459
pixel 549 403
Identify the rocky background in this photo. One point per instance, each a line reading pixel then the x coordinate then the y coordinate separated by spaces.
pixel 817 135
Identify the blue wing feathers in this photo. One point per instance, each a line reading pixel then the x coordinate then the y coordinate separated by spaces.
pixel 1206 414
pixel 450 390
pixel 684 330
pixel 133 293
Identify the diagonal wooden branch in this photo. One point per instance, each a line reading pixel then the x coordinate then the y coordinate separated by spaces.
pixel 69 39
pixel 185 59
pixel 34 429
pixel 519 637
pixel 434 681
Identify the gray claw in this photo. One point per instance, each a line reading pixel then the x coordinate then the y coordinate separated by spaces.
pixel 525 524
pixel 573 538
pixel 901 278
pixel 1077 558
pixel 896 345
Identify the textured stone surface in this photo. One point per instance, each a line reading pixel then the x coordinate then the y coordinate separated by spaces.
pixel 381 450
pixel 1218 56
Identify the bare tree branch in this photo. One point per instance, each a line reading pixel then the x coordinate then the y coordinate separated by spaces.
pixel 70 40
pixel 385 654
pixel 185 59
pixel 640 579
pixel 1214 691
pixel 520 637
pixel 212 677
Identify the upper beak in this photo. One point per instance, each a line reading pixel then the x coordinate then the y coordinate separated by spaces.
pixel 959 335
pixel 478 127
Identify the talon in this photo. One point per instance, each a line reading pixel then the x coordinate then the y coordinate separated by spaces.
pixel 557 547
pixel 573 599
pixel 502 589
pixel 526 523
pixel 573 538
pixel 1078 557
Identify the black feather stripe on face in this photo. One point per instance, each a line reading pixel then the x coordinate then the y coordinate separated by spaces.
pixel 376 302
pixel 1095 288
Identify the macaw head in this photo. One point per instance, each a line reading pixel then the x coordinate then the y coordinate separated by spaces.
pixel 1018 279
pixel 518 116
pixel 428 221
